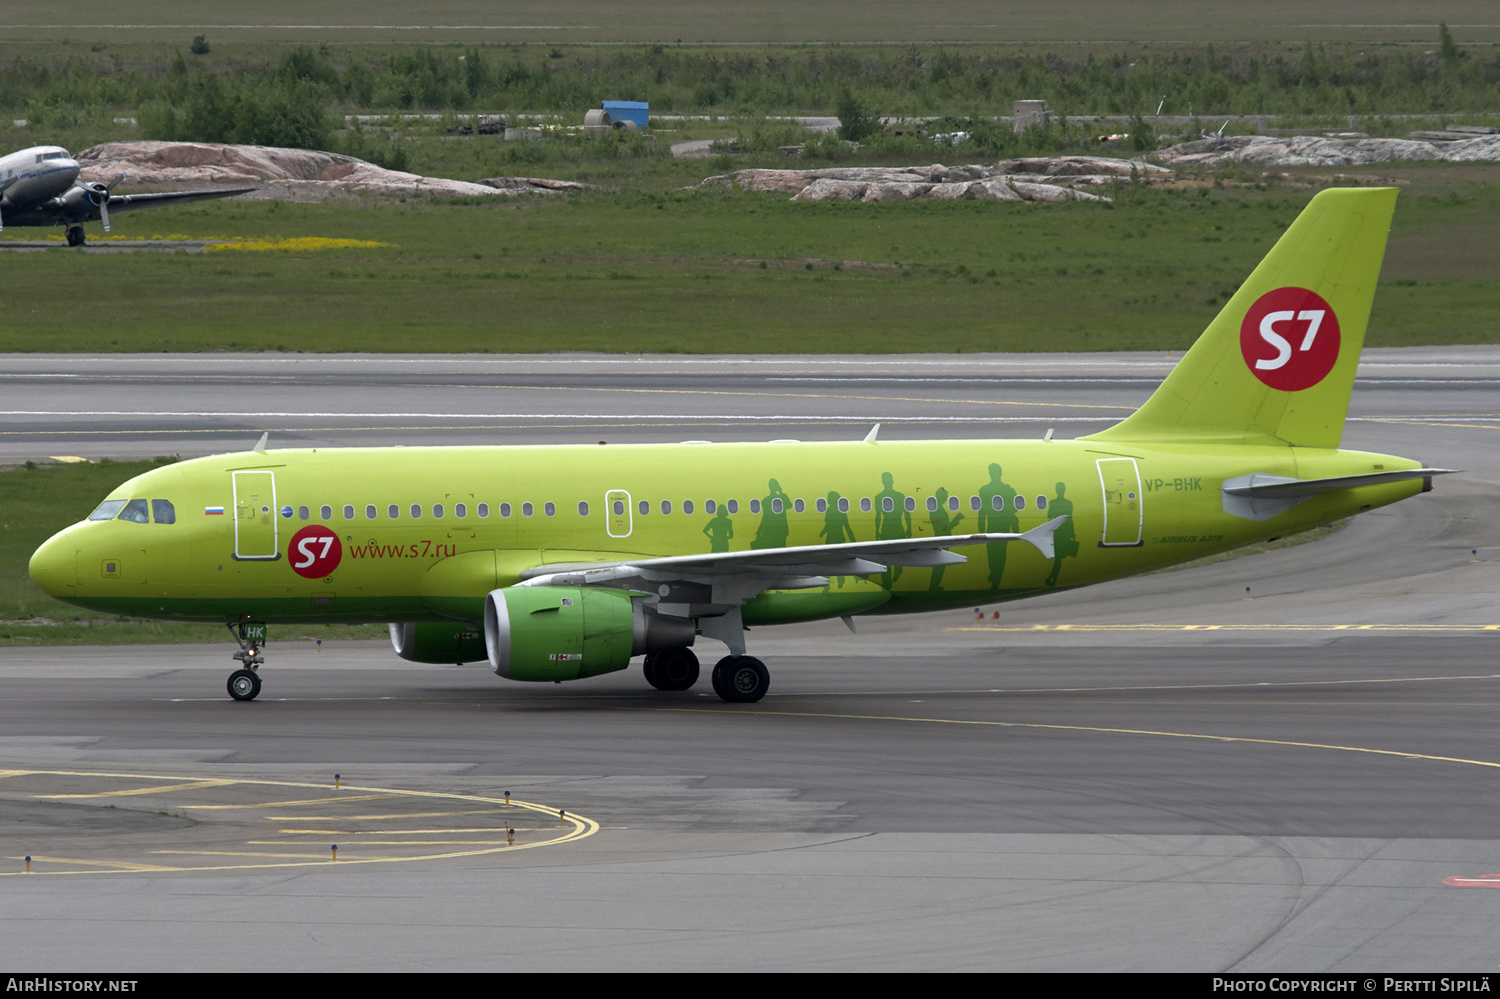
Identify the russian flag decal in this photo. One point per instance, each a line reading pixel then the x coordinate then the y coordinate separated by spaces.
pixel 213 510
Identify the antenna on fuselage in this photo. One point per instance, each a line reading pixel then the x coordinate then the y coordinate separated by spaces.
pixel 874 432
pixel 261 445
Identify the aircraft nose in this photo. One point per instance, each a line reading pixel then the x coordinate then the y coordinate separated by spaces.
pixel 54 566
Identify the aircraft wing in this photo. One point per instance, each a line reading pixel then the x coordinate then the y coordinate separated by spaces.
pixel 130 202
pixel 779 568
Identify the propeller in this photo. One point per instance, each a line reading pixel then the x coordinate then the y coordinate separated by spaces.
pixel 99 194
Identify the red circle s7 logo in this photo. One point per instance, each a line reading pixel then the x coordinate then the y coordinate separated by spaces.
pixel 1290 339
pixel 314 551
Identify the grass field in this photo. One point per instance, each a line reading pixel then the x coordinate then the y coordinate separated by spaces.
pixel 572 21
pixel 715 271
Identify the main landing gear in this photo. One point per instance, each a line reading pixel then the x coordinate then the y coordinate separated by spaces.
pixel 244 684
pixel 75 235
pixel 736 679
pixel 671 669
pixel 741 679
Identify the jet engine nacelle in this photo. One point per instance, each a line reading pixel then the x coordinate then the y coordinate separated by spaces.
pixel 437 642
pixel 564 633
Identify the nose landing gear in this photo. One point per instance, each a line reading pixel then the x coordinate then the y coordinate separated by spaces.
pixel 244 684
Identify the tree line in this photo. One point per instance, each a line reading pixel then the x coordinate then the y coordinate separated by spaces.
pixel 294 99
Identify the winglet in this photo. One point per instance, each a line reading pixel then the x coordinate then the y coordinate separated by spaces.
pixel 874 432
pixel 261 444
pixel 1040 538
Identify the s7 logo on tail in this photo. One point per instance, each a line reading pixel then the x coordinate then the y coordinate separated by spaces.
pixel 1290 339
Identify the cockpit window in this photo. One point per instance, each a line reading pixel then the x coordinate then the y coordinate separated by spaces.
pixel 107 510
pixel 135 512
pixel 162 512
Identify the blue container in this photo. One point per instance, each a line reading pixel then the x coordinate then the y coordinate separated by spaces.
pixel 636 111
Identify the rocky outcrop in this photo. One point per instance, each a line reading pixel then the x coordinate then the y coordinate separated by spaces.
pixel 1312 150
pixel 280 174
pixel 1046 179
pixel 536 185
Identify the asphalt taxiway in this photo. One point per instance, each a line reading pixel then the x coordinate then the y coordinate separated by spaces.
pixel 1157 773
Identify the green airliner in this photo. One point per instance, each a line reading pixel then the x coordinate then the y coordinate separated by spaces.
pixel 557 563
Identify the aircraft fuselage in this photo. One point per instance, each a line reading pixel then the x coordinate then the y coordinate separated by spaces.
pixel 33 178
pixel 356 535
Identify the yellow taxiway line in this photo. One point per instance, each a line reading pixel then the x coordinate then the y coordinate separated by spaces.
pixel 1250 740
pixel 578 827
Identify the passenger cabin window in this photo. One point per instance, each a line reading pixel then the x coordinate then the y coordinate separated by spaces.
pixel 393 511
pixel 483 510
pixel 776 504
pixel 687 506
pixel 843 505
pixel 1041 502
pixel 733 506
pixel 437 511
pixel 645 507
pixel 1020 502
pixel 416 511
pixel 998 502
pixel 370 513
pixel 460 511
pixel 755 506
pixel 526 509
pixel 709 506
pixel 864 504
pixel 549 508
pixel 932 504
pixel 326 513
pixel 135 512
pixel 505 509
pixel 163 512
pixel 953 503
pixel 798 505
pixel 583 509
pixel 107 510
pixel 348 512
pixel 303 513
pixel 666 506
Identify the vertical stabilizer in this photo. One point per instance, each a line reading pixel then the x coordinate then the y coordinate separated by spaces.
pixel 1276 366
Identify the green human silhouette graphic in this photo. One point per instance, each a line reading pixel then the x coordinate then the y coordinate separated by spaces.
pixel 997 521
pixel 942 526
pixel 1064 540
pixel 719 530
pixel 773 529
pixel 892 521
pixel 836 529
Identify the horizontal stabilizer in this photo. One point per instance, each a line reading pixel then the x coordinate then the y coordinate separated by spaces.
pixel 1259 496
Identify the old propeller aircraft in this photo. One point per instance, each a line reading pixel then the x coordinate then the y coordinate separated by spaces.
pixel 556 563
pixel 40 187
